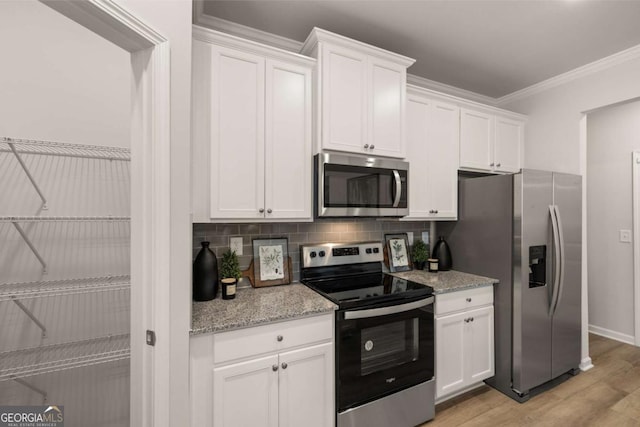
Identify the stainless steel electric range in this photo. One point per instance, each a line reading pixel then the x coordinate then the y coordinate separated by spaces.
pixel 384 335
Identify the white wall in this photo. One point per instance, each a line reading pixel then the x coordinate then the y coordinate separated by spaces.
pixel 552 138
pixel 60 81
pixel 612 134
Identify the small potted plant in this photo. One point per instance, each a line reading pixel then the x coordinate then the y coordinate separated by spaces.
pixel 420 254
pixel 230 273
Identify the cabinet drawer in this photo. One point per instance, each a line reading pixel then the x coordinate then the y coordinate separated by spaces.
pixel 264 339
pixel 463 300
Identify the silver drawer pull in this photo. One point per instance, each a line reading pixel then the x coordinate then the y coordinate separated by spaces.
pixel 284 365
pixel 274 367
pixel 280 338
pixel 468 299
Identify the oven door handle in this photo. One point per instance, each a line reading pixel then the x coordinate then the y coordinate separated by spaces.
pixel 383 311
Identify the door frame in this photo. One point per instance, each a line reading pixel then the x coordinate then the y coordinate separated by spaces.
pixel 636 244
pixel 150 198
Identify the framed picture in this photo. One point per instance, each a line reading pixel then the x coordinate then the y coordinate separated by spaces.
pixel 398 252
pixel 271 264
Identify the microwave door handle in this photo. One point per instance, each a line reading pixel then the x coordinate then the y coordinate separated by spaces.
pixel 383 311
pixel 396 201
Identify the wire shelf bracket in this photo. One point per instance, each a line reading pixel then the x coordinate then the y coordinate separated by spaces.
pixel 26 239
pixel 31 387
pixel 26 171
pixel 31 316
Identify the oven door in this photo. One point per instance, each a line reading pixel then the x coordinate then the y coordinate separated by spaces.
pixel 382 350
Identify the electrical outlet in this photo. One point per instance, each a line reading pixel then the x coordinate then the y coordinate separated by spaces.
pixel 235 244
pixel 410 237
pixel 625 236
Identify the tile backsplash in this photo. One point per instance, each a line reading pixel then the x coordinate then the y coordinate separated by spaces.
pixel 321 231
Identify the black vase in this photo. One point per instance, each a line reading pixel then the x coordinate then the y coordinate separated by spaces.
pixel 442 252
pixel 205 274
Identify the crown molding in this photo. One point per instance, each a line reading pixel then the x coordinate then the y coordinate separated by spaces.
pixel 455 92
pixel 569 76
pixel 243 31
pixel 235 42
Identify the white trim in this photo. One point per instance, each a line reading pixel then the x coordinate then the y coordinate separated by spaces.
pixel 584 300
pixel 445 89
pixel 319 35
pixel 153 373
pixel 234 42
pixel 560 79
pixel 243 31
pixel 463 102
pixel 636 245
pixel 608 333
pixel 585 364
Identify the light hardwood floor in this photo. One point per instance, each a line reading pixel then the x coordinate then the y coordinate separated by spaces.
pixel 606 395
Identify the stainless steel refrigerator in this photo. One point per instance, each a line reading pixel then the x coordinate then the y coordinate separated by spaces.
pixel 526 230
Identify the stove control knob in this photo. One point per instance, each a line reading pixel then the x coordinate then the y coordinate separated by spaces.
pixel 368 250
pixel 312 254
pixel 376 250
pixel 321 253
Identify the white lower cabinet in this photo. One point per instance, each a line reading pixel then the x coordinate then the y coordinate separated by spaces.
pixel 279 374
pixel 464 339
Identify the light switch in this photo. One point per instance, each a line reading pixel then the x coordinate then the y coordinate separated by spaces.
pixel 235 244
pixel 625 236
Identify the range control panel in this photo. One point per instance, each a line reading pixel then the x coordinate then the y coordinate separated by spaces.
pixel 329 254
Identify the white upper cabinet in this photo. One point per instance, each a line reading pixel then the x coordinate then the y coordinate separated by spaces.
pixel 508 144
pixel 432 150
pixel 490 142
pixel 252 131
pixel 362 95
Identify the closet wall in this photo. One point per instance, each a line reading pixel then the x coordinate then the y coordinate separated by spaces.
pixel 64 318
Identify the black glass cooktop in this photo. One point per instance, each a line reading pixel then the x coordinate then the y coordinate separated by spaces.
pixel 368 289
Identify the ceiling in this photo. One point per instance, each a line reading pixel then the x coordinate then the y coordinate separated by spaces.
pixel 489 47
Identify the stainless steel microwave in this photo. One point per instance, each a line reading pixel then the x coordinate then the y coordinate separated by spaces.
pixel 355 186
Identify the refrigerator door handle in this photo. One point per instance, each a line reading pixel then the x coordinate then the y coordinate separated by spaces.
pixel 557 259
pixel 562 258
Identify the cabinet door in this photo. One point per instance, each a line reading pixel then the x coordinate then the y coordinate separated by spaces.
pixel 476 139
pixel 344 98
pixel 442 167
pixel 237 134
pixel 386 104
pixel 508 143
pixel 450 354
pixel 288 141
pixel 418 109
pixel 479 341
pixel 246 394
pixel 306 387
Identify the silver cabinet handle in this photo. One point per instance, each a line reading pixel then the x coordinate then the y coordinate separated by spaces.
pixel 498 165
pixel 466 320
pixel 366 146
pixel 269 210
pixel 471 320
pixel 274 367
pixel 491 164
pixel 284 365
pixel 468 299
pixel 279 338
pixel 372 146
pixel 261 210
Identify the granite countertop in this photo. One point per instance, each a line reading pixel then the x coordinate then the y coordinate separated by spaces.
pixel 255 306
pixel 446 281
